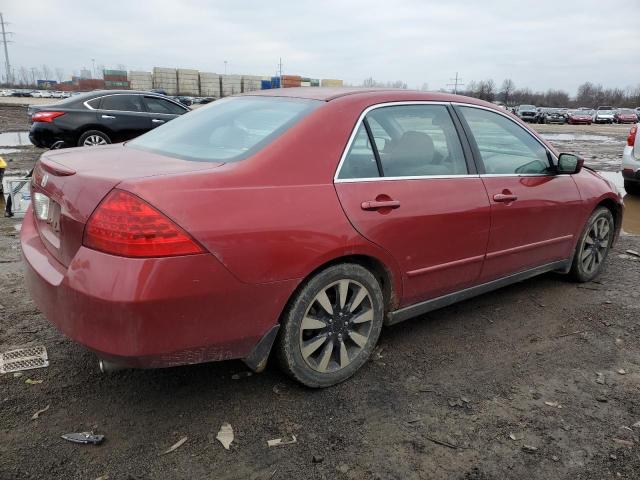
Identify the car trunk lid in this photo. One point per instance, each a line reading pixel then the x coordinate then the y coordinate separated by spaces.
pixel 71 183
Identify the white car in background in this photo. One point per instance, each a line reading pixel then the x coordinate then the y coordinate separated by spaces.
pixel 631 162
pixel 603 115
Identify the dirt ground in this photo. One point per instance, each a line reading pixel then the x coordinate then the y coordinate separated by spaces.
pixel 539 380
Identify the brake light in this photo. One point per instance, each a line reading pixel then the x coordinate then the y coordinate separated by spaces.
pixel 631 139
pixel 124 224
pixel 45 116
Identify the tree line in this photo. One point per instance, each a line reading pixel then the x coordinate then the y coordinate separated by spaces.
pixel 588 95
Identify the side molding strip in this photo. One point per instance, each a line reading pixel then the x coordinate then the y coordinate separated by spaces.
pixel 411 311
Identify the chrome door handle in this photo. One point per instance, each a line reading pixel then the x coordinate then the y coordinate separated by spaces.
pixel 155 120
pixel 505 198
pixel 376 205
pixel 108 116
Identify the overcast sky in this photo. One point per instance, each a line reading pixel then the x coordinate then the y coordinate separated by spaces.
pixel 541 44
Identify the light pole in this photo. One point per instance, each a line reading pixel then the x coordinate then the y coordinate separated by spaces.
pixel 225 67
pixel 93 68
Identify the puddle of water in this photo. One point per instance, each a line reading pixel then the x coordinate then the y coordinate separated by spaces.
pixel 570 137
pixel 14 139
pixel 631 220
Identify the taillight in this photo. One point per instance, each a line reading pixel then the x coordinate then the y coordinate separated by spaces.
pixel 631 139
pixel 45 116
pixel 124 224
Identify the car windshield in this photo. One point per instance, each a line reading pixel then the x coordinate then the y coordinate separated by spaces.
pixel 627 112
pixel 228 130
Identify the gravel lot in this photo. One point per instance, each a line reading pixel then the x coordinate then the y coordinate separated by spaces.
pixel 539 380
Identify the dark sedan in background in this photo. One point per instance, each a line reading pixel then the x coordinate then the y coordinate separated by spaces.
pixel 100 117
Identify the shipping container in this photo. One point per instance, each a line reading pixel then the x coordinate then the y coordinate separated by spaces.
pixel 188 82
pixel 231 84
pixel 251 83
pixel 265 84
pixel 140 80
pixel 209 85
pixel 165 79
pixel 328 82
pixel 275 82
pixel 114 73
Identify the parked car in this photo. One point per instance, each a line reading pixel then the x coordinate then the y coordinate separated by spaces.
pixel 631 162
pixel 554 115
pixel 527 113
pixel 99 118
pixel 603 115
pixel 579 117
pixel 186 101
pixel 303 220
pixel 6 93
pixel 637 110
pixel 625 115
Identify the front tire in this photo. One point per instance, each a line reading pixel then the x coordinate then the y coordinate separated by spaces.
pixel 331 326
pixel 93 138
pixel 593 246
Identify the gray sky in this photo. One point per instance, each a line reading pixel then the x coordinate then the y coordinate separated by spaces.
pixel 541 44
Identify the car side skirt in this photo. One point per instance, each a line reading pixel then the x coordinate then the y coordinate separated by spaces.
pixel 411 311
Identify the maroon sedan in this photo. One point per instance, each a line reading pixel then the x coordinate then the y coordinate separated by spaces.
pixel 625 115
pixel 579 117
pixel 303 220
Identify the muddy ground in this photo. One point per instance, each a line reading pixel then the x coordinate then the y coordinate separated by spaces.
pixel 540 380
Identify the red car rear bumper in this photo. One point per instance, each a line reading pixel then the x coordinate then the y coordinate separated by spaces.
pixel 154 312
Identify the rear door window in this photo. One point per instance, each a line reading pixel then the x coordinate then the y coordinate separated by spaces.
pixel 160 105
pixel 123 103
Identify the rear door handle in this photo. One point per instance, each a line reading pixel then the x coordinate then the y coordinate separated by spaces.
pixel 376 205
pixel 155 120
pixel 504 197
pixel 108 116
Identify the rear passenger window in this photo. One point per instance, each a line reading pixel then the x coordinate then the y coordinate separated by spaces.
pixel 360 161
pixel 160 105
pixel 123 103
pixel 411 140
pixel 95 103
pixel 505 147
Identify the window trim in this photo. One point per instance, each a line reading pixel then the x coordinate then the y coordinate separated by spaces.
pixel 86 103
pixel 462 137
pixel 553 160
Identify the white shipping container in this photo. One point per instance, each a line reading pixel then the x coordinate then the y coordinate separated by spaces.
pixel 209 85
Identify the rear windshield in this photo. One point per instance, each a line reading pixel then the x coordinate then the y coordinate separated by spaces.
pixel 227 130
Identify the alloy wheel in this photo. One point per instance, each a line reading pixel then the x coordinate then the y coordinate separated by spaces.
pixel 336 326
pixel 595 245
pixel 94 140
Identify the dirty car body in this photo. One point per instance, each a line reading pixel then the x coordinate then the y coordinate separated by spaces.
pixel 286 186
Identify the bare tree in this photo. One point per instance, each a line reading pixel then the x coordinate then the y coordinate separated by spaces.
pixel 46 72
pixel 59 74
pixel 507 90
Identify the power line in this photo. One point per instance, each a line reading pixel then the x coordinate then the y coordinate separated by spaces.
pixel 6 50
pixel 456 82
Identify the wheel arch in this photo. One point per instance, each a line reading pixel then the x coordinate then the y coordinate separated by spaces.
pixel 616 210
pixel 87 127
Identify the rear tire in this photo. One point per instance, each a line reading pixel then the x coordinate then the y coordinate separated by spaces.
pixel 93 138
pixel 593 246
pixel 632 188
pixel 331 326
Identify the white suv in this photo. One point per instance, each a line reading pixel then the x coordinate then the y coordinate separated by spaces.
pixel 631 162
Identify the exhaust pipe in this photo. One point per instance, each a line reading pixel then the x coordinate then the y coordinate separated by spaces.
pixel 108 367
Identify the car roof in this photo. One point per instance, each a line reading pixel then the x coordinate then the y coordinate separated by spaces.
pixel 375 95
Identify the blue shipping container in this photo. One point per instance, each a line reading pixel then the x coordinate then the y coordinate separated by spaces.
pixel 265 84
pixel 275 82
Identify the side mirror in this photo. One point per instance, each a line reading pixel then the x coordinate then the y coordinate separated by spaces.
pixel 569 163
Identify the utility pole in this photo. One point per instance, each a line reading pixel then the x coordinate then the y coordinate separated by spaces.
pixel 6 50
pixel 225 67
pixel 456 82
pixel 280 71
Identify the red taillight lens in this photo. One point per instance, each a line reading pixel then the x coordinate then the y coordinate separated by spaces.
pixel 45 116
pixel 126 225
pixel 631 139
